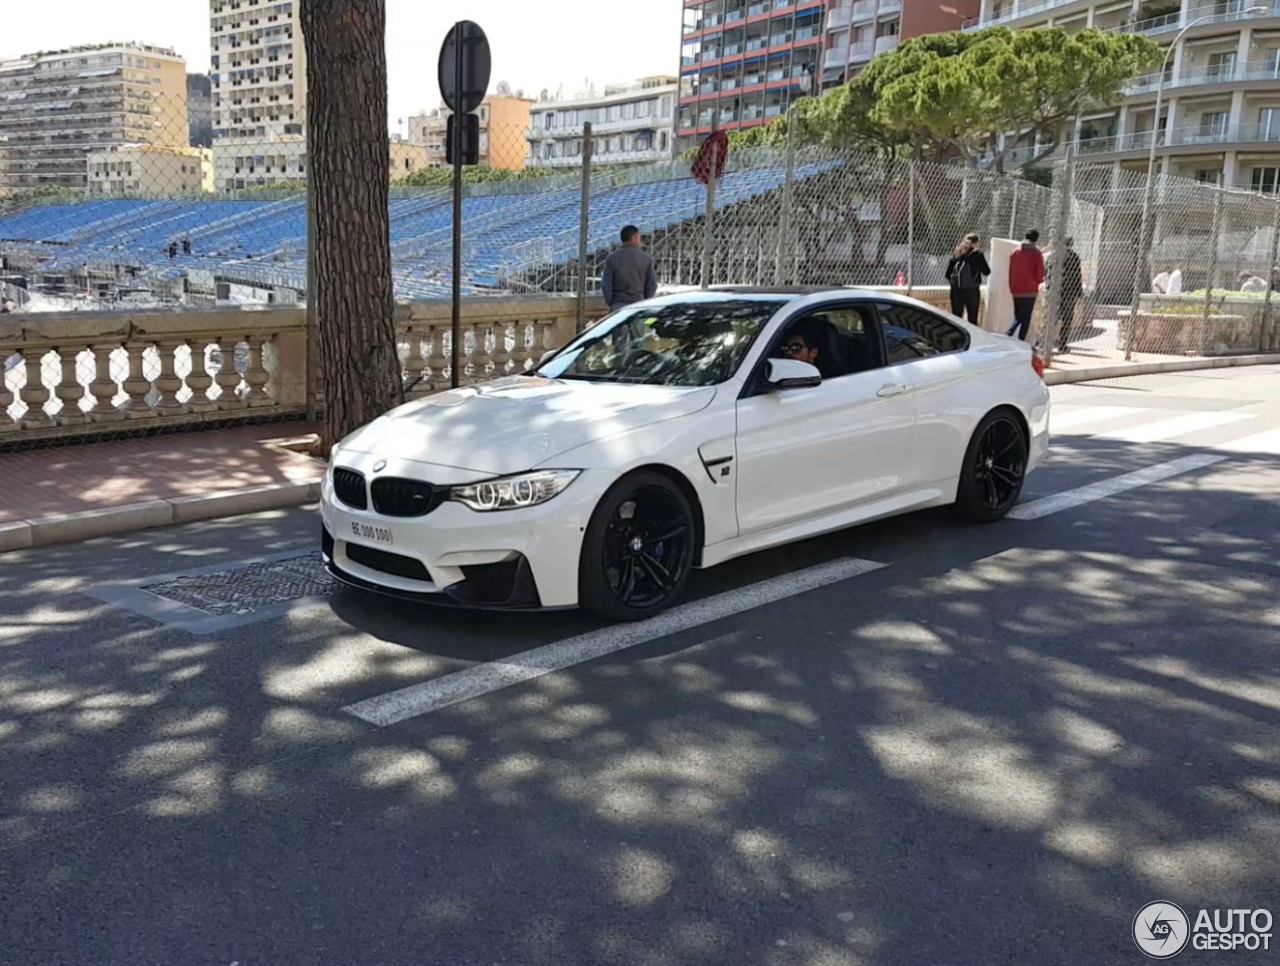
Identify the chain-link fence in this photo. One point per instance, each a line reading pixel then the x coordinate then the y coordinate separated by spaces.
pixel 142 217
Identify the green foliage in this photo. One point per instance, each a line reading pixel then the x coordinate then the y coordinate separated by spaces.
pixel 964 90
pixel 294 186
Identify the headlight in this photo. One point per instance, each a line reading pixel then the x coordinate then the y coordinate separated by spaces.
pixel 514 492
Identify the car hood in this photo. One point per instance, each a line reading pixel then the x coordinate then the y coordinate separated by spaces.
pixel 519 422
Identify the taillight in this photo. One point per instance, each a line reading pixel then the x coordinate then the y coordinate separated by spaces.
pixel 1037 364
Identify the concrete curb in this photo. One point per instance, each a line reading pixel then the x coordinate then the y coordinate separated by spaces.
pixel 85 525
pixel 1054 377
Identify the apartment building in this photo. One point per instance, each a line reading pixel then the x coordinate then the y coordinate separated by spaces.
pixel 258 80
pixel 741 61
pixel 149 171
pixel 630 123
pixel 56 107
pixel 1220 111
pixel 857 31
pixel 504 122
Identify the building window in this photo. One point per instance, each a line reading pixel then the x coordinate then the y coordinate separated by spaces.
pixel 1265 179
pixel 1209 176
pixel 1213 123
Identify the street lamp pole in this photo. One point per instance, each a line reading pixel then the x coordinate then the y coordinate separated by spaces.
pixel 805 81
pixel 1142 269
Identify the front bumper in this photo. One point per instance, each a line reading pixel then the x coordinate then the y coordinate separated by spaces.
pixel 513 559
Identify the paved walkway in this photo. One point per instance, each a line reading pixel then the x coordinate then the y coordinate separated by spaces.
pixel 96 476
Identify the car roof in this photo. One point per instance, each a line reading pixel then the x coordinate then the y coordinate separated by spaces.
pixel 774 293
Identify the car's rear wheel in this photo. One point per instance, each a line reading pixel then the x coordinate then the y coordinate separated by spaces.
pixel 995 466
pixel 638 549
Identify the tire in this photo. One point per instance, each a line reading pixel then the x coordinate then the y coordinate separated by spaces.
pixel 638 550
pixel 994 469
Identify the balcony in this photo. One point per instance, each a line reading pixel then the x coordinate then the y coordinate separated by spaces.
pixel 840 17
pixel 861 53
pixel 1191 136
pixel 888 7
pixel 886 44
pixel 864 10
pixel 835 57
pixel 1016 11
pixel 1201 76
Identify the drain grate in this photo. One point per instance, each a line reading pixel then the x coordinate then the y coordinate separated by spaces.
pixel 245 589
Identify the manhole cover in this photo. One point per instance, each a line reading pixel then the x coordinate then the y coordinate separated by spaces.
pixel 245 589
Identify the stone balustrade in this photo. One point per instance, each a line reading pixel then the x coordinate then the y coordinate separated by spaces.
pixel 83 375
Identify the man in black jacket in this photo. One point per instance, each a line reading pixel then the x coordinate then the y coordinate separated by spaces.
pixel 1072 288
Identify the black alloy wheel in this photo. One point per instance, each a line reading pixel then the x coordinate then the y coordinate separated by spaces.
pixel 994 470
pixel 639 549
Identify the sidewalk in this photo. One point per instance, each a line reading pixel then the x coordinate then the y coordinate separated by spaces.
pixel 61 494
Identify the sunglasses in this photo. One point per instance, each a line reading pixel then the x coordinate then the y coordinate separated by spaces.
pixel 794 347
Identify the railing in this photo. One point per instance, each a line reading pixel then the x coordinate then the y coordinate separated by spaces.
pixel 71 375
pixel 860 52
pixel 1183 136
pixel 1200 76
pixel 1212 14
pixel 1016 11
pixel 887 43
pixel 864 10
pixel 888 6
pixel 841 16
pixel 835 57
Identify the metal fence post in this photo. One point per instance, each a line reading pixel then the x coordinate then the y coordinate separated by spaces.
pixel 1215 242
pixel 1013 212
pixel 584 222
pixel 1264 337
pixel 708 239
pixel 1053 317
pixel 784 216
pixel 911 222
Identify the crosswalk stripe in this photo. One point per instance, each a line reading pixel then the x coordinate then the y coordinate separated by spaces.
pixel 1069 499
pixel 1265 443
pixel 1173 427
pixel 418 699
pixel 1087 415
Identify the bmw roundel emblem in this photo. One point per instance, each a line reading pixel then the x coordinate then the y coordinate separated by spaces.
pixel 379 466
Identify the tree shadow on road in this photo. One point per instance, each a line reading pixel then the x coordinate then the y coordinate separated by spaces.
pixel 995 750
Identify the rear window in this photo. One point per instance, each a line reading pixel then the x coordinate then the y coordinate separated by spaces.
pixel 911 333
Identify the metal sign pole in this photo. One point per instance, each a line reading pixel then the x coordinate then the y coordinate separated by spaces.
pixel 455 363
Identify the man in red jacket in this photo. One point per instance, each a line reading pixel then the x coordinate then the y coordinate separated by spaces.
pixel 1026 275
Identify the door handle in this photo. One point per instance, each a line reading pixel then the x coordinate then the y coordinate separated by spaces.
pixel 892 389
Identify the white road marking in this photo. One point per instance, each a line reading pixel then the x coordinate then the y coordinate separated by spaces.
pixel 1174 427
pixel 1086 415
pixel 1265 443
pixel 418 699
pixel 1069 499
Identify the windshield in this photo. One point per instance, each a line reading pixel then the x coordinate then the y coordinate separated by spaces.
pixel 687 344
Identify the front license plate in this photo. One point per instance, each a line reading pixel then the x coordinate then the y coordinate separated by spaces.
pixel 371 534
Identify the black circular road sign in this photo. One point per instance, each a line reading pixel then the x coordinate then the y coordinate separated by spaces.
pixel 464 90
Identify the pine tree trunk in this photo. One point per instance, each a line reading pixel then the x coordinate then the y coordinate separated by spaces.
pixel 348 169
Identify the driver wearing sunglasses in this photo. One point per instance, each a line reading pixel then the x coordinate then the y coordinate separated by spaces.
pixel 795 346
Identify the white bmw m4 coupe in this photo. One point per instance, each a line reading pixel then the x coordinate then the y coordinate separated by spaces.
pixel 679 433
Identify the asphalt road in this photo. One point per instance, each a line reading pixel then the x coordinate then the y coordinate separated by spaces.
pixel 994 748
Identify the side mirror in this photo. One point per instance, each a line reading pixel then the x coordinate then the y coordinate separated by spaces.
pixel 791 374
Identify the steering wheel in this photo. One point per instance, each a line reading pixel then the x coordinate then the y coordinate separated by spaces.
pixel 646 359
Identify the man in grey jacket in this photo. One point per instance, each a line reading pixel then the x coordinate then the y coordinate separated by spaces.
pixel 629 275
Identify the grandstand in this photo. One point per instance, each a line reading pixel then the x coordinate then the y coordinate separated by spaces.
pixel 518 237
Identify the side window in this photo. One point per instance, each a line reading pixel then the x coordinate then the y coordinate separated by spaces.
pixel 856 342
pixel 912 333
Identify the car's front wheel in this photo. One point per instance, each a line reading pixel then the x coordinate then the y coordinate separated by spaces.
pixel 638 549
pixel 995 467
